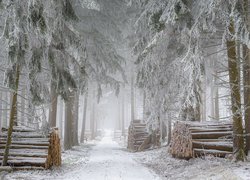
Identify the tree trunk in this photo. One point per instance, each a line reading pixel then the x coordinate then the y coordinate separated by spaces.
pixel 169 128
pixel 122 113
pixel 92 120
pixel 1 110
pixel 216 92
pixel 68 122
pixel 53 110
pixel 84 116
pixel 144 106
pixel 238 141
pixel 246 81
pixel 13 116
pixel 75 120
pixel 5 107
pixel 161 128
pixel 60 120
pixel 23 106
pixel 132 99
pixel 11 102
pixel 203 97
pixel 212 93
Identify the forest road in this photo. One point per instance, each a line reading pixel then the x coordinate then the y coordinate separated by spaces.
pixel 109 161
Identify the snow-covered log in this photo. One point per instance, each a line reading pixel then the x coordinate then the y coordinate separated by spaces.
pixel 32 150
pixel 192 139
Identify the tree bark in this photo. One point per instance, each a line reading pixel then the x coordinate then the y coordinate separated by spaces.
pixel 53 110
pixel 169 129
pixel 92 120
pixel 13 116
pixel 144 106
pixel 132 99
pixel 1 110
pixel 122 113
pixel 5 107
pixel 234 79
pixel 75 120
pixel 212 93
pixel 216 92
pixel 23 106
pixel 246 81
pixel 84 116
pixel 60 120
pixel 68 122
pixel 204 102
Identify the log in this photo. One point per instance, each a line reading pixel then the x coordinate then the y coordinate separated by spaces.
pixel 25 146
pixel 27 163
pixel 214 140
pixel 25 154
pixel 213 145
pixel 27 143
pixel 29 136
pixel 28 168
pixel 211 135
pixel 217 153
pixel 193 130
pixel 6 168
pixel 19 129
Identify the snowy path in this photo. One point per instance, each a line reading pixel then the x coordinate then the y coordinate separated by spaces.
pixel 108 161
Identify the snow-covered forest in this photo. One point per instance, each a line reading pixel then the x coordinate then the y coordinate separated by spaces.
pixel 124 89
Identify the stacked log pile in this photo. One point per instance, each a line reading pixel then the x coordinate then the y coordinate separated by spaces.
pixel 137 134
pixel 191 139
pixel 31 150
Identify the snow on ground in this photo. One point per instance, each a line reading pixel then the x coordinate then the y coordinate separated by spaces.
pixel 73 159
pixel 106 160
pixel 103 160
pixel 207 168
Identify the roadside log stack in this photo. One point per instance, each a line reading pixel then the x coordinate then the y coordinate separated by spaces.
pixel 30 149
pixel 194 139
pixel 137 134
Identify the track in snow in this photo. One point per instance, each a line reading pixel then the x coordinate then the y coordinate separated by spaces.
pixel 108 161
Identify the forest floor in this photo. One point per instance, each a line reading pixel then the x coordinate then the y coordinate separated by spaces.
pixel 206 168
pixel 107 160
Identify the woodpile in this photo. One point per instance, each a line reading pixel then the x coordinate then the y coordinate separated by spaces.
pixel 32 150
pixel 137 135
pixel 194 139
